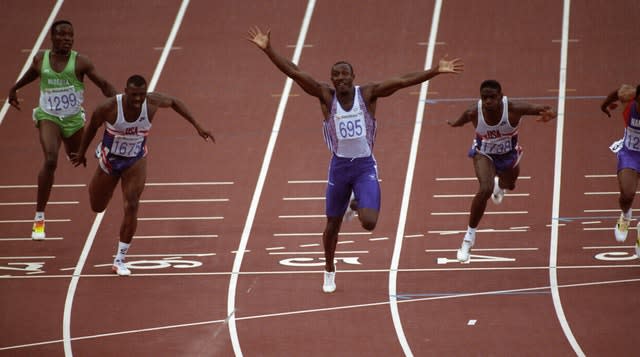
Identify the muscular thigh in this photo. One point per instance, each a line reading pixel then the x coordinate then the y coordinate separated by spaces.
pixel 133 180
pixel 50 137
pixel 484 168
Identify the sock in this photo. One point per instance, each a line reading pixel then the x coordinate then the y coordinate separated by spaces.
pixel 39 216
pixel 122 251
pixel 470 236
pixel 627 215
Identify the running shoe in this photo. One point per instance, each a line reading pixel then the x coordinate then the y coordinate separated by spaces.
pixel 37 232
pixel 622 228
pixel 498 193
pixel 463 253
pixel 329 285
pixel 120 267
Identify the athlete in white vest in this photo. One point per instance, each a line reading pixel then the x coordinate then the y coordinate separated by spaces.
pixel 349 130
pixel 495 150
pixel 122 153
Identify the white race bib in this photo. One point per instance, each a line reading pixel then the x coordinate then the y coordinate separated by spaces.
pixel 61 102
pixel 497 147
pixel 128 146
pixel 350 126
pixel 632 139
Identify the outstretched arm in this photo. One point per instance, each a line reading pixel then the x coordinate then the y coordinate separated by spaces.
pixel 624 94
pixel 390 86
pixel 89 69
pixel 303 79
pixel 99 116
pixel 466 117
pixel 166 101
pixel 545 112
pixel 29 76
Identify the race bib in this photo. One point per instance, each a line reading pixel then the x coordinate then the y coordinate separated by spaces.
pixel 61 102
pixel 350 127
pixel 497 147
pixel 632 139
pixel 128 146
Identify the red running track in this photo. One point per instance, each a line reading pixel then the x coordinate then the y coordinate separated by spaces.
pixel 399 292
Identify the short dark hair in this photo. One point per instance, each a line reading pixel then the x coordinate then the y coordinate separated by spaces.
pixel 58 23
pixel 491 83
pixel 343 62
pixel 136 81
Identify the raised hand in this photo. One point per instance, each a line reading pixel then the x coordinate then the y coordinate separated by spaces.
pixel 450 66
pixel 259 38
pixel 546 115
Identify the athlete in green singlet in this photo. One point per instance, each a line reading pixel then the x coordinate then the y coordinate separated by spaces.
pixel 59 116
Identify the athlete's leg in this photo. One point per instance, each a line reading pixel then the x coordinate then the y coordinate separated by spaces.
pixel 101 189
pixel 50 139
pixel 485 172
pixel 72 143
pixel 508 178
pixel 330 241
pixel 133 180
pixel 628 183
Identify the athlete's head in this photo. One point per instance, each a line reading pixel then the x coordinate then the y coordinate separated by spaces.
pixel 342 76
pixel 491 95
pixel 62 36
pixel 136 91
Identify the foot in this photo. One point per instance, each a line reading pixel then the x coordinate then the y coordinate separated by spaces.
pixel 329 285
pixel 37 232
pixel 498 193
pixel 463 253
pixel 120 267
pixel 622 228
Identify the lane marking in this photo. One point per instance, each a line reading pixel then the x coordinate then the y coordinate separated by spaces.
pixel 557 182
pixel 34 203
pixel 183 236
pixel 204 183
pixel 473 195
pixel 472 178
pixel 179 218
pixel 28 239
pixel 34 50
pixel 187 200
pixel 317 234
pixel 36 186
pixel 408 182
pixel 482 250
pixel 264 169
pixel 303 198
pixel 303 216
pixel 320 252
pixel 486 213
pixel 66 325
pixel 31 220
pixel 486 230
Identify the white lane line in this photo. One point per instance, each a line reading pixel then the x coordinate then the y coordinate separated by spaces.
pixel 34 50
pixel 473 194
pixel 486 230
pixel 468 178
pixel 303 198
pixel 204 183
pixel 35 257
pixel 601 210
pixel 483 250
pixel 303 216
pixel 179 218
pixel 601 176
pixel 183 236
pixel 317 234
pixel 557 182
pixel 408 182
pixel 34 203
pixel 187 200
pixel 66 325
pixel 28 239
pixel 306 181
pixel 264 169
pixel 321 252
pixel 31 220
pixel 596 193
pixel 486 213
pixel 36 186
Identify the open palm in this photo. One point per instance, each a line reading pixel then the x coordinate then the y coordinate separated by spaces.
pixel 259 38
pixel 453 66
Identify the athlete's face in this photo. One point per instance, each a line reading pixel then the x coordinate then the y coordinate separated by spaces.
pixel 342 77
pixel 135 95
pixel 62 38
pixel 491 99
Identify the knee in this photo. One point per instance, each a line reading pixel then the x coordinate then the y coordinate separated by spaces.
pixel 131 205
pixel 627 196
pixel 98 207
pixel 369 225
pixel 511 186
pixel 50 162
pixel 485 191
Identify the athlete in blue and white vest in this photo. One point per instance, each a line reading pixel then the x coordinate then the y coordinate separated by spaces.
pixel 495 150
pixel 628 152
pixel 122 153
pixel 349 130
